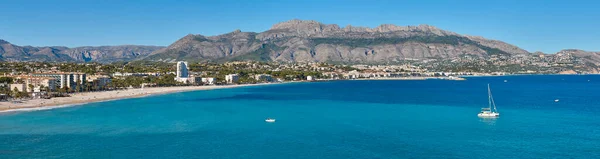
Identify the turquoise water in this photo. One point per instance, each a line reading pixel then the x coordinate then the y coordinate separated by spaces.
pixel 341 119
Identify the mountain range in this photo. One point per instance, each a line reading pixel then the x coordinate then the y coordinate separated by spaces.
pixel 290 41
pixel 106 54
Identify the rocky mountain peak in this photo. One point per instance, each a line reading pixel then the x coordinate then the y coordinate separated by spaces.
pixel 297 24
pixel 311 27
pixel 572 50
pixel 189 36
pixel 304 27
pixel 576 51
pixel 4 42
pixel 350 28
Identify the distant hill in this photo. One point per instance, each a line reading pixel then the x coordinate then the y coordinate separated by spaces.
pixel 312 41
pixel 581 56
pixel 105 54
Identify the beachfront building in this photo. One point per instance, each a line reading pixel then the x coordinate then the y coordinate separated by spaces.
pixel 72 80
pixel 79 79
pixel 40 82
pixel 331 75
pixel 194 80
pixel 182 74
pixel 63 80
pixel 310 78
pixel 99 82
pixel 37 82
pixel 263 78
pixel 232 78
pixel 209 80
pixel 352 74
pixel 137 74
pixel 20 87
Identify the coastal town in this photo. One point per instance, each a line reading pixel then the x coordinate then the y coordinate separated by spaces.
pixel 21 82
pixel 44 80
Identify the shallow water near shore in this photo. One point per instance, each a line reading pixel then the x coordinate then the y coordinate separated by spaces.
pixel 338 119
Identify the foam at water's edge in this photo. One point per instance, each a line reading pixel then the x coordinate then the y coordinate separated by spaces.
pixel 58 106
pixel 142 96
pixel 40 108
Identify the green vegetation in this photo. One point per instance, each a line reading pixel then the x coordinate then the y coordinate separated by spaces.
pixel 7 80
pixel 200 39
pixel 177 55
pixel 362 42
pixel 263 54
pixel 137 81
pixel 93 68
pixel 18 94
pixel 5 90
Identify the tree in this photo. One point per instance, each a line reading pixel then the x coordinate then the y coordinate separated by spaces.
pixel 57 88
pixel 31 87
pixel 7 80
pixel 45 89
pixel 63 90
pixel 16 93
pixel 88 86
pixel 78 86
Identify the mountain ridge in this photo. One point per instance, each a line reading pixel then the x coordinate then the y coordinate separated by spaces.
pixel 291 41
pixel 312 41
pixel 103 54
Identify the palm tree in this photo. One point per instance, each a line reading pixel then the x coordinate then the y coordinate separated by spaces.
pixel 78 86
pixel 16 93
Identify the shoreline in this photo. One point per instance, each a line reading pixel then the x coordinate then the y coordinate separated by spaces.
pixel 92 97
pixel 508 75
pixel 414 78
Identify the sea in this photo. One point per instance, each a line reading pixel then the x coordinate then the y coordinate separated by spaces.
pixel 325 120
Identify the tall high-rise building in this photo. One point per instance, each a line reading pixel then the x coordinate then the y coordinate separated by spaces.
pixel 182 69
pixel 182 72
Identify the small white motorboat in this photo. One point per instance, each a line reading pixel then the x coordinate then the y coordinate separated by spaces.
pixel 269 120
pixel 556 100
pixel 505 81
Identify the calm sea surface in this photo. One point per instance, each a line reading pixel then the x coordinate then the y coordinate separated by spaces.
pixel 336 120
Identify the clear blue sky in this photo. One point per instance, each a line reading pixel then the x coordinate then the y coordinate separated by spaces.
pixel 534 25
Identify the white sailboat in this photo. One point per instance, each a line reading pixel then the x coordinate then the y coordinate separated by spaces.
pixel 269 120
pixel 489 112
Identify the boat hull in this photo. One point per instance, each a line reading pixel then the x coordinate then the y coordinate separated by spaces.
pixel 270 120
pixel 488 115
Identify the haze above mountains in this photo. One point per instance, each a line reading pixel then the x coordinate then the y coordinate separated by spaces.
pixel 290 41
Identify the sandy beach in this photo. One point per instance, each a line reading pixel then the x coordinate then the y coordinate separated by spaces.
pixel 87 97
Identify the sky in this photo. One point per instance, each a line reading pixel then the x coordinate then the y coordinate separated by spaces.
pixel 534 25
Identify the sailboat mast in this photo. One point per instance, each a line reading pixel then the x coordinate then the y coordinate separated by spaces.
pixel 489 97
